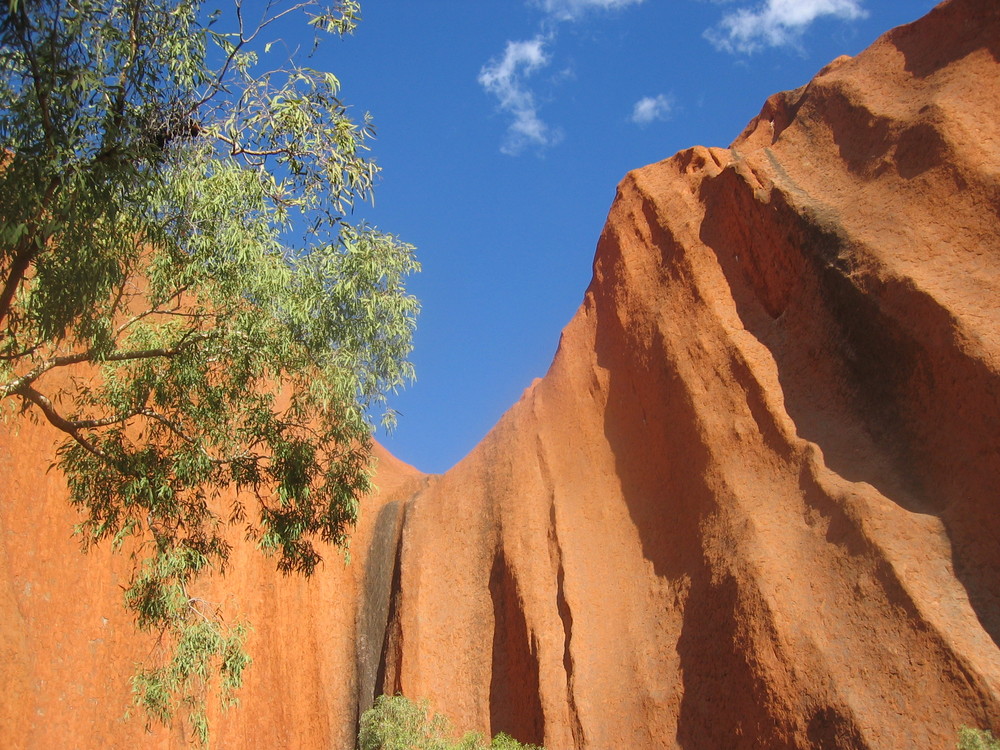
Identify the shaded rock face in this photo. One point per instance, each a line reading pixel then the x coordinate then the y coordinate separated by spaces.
pixel 753 503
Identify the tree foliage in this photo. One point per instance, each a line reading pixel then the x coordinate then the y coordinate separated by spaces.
pixel 184 296
pixel 397 723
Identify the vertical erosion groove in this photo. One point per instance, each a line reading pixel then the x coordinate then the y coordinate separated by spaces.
pixel 515 705
pixel 567 622
pixel 378 602
pixel 387 679
pixel 562 606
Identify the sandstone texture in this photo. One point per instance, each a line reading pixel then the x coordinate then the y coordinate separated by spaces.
pixel 753 503
pixel 67 649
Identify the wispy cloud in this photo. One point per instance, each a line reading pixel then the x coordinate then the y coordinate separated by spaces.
pixel 651 108
pixel 776 23
pixel 506 79
pixel 571 10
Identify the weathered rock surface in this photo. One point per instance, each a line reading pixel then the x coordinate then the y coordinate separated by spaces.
pixel 67 649
pixel 753 503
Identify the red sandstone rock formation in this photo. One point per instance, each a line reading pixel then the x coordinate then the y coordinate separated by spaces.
pixel 753 503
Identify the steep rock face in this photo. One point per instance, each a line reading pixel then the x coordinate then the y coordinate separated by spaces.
pixel 752 503
pixel 67 649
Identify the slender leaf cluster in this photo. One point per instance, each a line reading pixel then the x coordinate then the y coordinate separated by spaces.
pixel 183 295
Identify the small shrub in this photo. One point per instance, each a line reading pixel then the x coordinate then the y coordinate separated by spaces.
pixel 506 742
pixel 397 723
pixel 977 739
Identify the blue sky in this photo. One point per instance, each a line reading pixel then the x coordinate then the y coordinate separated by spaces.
pixel 504 128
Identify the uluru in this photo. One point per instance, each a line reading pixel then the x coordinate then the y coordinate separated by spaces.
pixel 753 503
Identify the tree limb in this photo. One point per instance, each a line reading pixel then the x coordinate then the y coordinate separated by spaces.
pixel 157 310
pixel 28 247
pixel 14 387
pixel 58 421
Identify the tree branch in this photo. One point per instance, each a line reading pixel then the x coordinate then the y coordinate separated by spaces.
pixel 19 354
pixel 157 310
pixel 58 421
pixel 170 425
pixel 18 268
pixel 237 150
pixel 179 432
pixel 217 85
pixel 23 26
pixel 15 386
pixel 28 247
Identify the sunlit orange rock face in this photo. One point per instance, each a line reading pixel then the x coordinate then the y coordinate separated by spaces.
pixel 753 503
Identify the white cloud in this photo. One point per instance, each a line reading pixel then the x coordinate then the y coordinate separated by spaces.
pixel 506 79
pixel 571 10
pixel 776 23
pixel 651 108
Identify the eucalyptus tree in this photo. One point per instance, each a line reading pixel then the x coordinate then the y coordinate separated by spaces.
pixel 185 296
